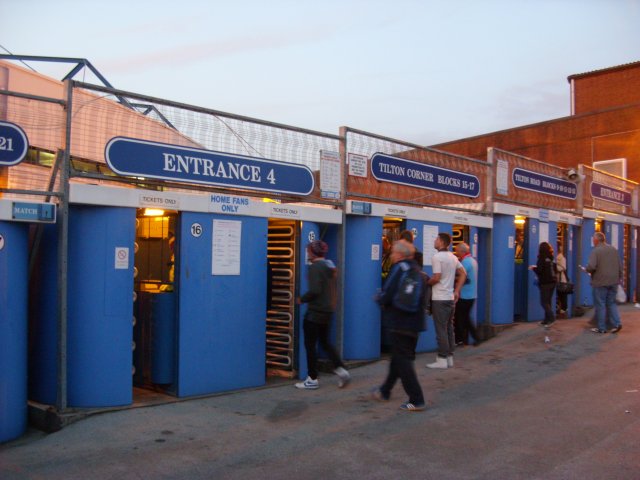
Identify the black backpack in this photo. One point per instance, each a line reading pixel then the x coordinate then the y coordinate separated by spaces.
pixel 409 292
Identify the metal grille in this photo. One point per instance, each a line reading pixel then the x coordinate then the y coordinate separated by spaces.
pixel 43 121
pixel 280 316
pixel 528 197
pixel 626 189
pixel 101 114
pixel 367 144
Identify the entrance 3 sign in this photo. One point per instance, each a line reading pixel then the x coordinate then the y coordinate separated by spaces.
pixel 407 172
pixel 140 158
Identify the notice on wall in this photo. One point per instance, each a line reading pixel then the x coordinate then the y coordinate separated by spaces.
pixel 544 232
pixel 511 242
pixel 375 251
pixel 225 258
pixel 429 234
pixel 357 165
pixel 502 177
pixel 330 174
pixel 122 258
pixel 614 235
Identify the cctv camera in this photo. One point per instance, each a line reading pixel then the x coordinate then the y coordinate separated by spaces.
pixel 572 174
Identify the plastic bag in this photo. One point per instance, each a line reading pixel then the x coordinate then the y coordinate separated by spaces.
pixel 621 296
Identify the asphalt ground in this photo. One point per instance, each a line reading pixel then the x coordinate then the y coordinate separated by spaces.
pixel 515 407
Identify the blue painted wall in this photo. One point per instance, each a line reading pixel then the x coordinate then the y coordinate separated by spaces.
pixel 221 318
pixel 503 270
pixel 362 281
pixel 633 274
pixel 100 307
pixel 14 261
pixel 43 332
pixel 484 251
pixel 585 294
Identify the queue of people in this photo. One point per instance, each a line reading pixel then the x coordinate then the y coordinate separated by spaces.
pixel 409 295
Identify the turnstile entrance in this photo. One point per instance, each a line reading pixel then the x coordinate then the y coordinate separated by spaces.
pixel 281 252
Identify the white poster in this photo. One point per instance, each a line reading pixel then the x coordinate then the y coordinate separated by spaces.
pixel 614 235
pixel 429 234
pixel 375 251
pixel 511 242
pixel 502 177
pixel 122 258
pixel 225 258
pixel 330 174
pixel 544 232
pixel 357 165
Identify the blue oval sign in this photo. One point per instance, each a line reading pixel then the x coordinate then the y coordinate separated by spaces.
pixel 540 183
pixel 13 144
pixel 140 158
pixel 407 172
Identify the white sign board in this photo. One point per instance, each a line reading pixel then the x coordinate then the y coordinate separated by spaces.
pixel 330 174
pixel 357 165
pixel 225 258
pixel 122 258
pixel 544 232
pixel 429 234
pixel 502 177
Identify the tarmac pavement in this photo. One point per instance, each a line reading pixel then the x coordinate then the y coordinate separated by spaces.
pixel 513 408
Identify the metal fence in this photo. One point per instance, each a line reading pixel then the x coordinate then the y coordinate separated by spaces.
pixel 607 192
pixel 43 120
pixel 553 189
pixel 101 113
pixel 363 146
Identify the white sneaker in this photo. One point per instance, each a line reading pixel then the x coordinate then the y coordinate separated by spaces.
pixel 450 361
pixel 343 377
pixel 439 363
pixel 308 384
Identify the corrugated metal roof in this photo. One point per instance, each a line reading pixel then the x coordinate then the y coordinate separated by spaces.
pixel 624 66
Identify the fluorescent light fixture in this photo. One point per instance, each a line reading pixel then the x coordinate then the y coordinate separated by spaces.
pixel 153 212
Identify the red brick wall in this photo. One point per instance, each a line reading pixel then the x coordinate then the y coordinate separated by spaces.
pixel 568 141
pixel 615 87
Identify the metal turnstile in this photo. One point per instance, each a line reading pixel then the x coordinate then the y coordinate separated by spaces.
pixel 281 250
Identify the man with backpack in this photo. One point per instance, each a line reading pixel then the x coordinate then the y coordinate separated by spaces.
pixel 446 287
pixel 403 295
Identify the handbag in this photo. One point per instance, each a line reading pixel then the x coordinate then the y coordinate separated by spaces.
pixel 565 287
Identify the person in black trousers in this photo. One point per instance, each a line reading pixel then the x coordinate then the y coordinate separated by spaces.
pixel 404 330
pixel 321 298
pixel 545 269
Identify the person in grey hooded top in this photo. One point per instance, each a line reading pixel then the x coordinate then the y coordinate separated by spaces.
pixel 321 300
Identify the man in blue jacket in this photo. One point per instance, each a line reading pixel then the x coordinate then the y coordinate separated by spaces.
pixel 405 328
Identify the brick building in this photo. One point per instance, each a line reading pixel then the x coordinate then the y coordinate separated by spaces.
pixel 604 125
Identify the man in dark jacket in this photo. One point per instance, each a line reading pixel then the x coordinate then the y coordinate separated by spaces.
pixel 606 272
pixel 321 298
pixel 405 328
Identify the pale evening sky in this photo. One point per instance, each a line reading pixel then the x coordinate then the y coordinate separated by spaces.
pixel 421 71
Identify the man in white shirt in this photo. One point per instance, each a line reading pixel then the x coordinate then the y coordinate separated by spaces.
pixel 445 291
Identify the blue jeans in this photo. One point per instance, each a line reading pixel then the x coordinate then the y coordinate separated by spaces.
pixel 604 299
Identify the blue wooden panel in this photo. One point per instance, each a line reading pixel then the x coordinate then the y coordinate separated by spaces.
pixel 13 329
pixel 585 293
pixel 362 281
pixel 43 332
pixel 503 254
pixel 100 307
pixel 221 318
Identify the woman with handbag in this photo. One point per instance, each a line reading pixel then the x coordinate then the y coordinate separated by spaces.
pixel 545 269
pixel 561 264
